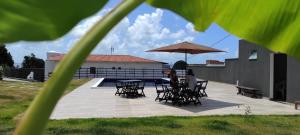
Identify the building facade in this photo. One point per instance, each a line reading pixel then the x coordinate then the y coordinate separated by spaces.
pixel 276 75
pixel 110 66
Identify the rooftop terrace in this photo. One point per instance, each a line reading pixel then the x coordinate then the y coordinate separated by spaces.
pixel 87 102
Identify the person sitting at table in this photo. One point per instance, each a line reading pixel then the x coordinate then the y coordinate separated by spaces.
pixel 191 79
pixel 173 79
pixel 174 83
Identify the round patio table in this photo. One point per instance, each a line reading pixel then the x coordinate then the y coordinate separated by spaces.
pixel 130 87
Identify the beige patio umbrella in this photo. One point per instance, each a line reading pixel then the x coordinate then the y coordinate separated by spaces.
pixel 186 47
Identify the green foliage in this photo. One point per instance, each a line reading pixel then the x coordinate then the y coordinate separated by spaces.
pixel 180 65
pixel 5 57
pixel 273 24
pixel 31 61
pixel 36 117
pixel 36 20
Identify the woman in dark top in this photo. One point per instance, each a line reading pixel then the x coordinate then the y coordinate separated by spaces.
pixel 174 79
pixel 174 83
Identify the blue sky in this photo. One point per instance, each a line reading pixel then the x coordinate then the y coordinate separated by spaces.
pixel 143 29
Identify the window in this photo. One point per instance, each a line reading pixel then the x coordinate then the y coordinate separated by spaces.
pixel 253 55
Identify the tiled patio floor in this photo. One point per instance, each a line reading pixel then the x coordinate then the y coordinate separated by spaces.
pixel 85 102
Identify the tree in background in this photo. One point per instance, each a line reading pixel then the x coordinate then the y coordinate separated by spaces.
pixel 180 65
pixel 5 57
pixel 31 61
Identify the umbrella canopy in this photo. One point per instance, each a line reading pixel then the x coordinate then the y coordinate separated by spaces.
pixel 186 47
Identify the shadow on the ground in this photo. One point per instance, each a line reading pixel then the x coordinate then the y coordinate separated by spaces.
pixel 207 104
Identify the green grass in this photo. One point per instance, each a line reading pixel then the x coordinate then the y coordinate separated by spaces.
pixel 204 125
pixel 16 96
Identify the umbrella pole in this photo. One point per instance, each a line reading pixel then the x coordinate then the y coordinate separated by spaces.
pixel 185 57
pixel 186 64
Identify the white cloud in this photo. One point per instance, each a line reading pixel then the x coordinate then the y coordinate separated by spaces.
pixel 148 27
pixel 144 32
pixel 190 27
pixel 80 29
pixel 131 36
pixel 178 34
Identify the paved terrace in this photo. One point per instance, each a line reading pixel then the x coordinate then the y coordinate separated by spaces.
pixel 85 102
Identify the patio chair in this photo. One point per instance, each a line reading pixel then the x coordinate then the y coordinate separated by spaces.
pixel 184 92
pixel 119 88
pixel 203 88
pixel 159 89
pixel 131 89
pixel 196 94
pixel 141 87
pixel 167 92
pixel 177 96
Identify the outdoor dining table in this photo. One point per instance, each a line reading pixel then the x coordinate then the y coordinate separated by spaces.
pixel 183 95
pixel 129 87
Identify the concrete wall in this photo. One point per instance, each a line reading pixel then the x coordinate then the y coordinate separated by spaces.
pixel 224 74
pixel 254 73
pixel 293 80
pixel 251 73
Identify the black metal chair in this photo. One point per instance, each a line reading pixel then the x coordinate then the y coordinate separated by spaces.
pixel 141 87
pixel 131 89
pixel 196 94
pixel 203 88
pixel 119 88
pixel 177 95
pixel 127 89
pixel 159 89
pixel 167 92
pixel 180 93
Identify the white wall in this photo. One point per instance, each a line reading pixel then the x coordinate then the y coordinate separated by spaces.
pixel 49 67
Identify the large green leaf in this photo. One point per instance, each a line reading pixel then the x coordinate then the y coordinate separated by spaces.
pixel 35 20
pixel 274 24
pixel 36 116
